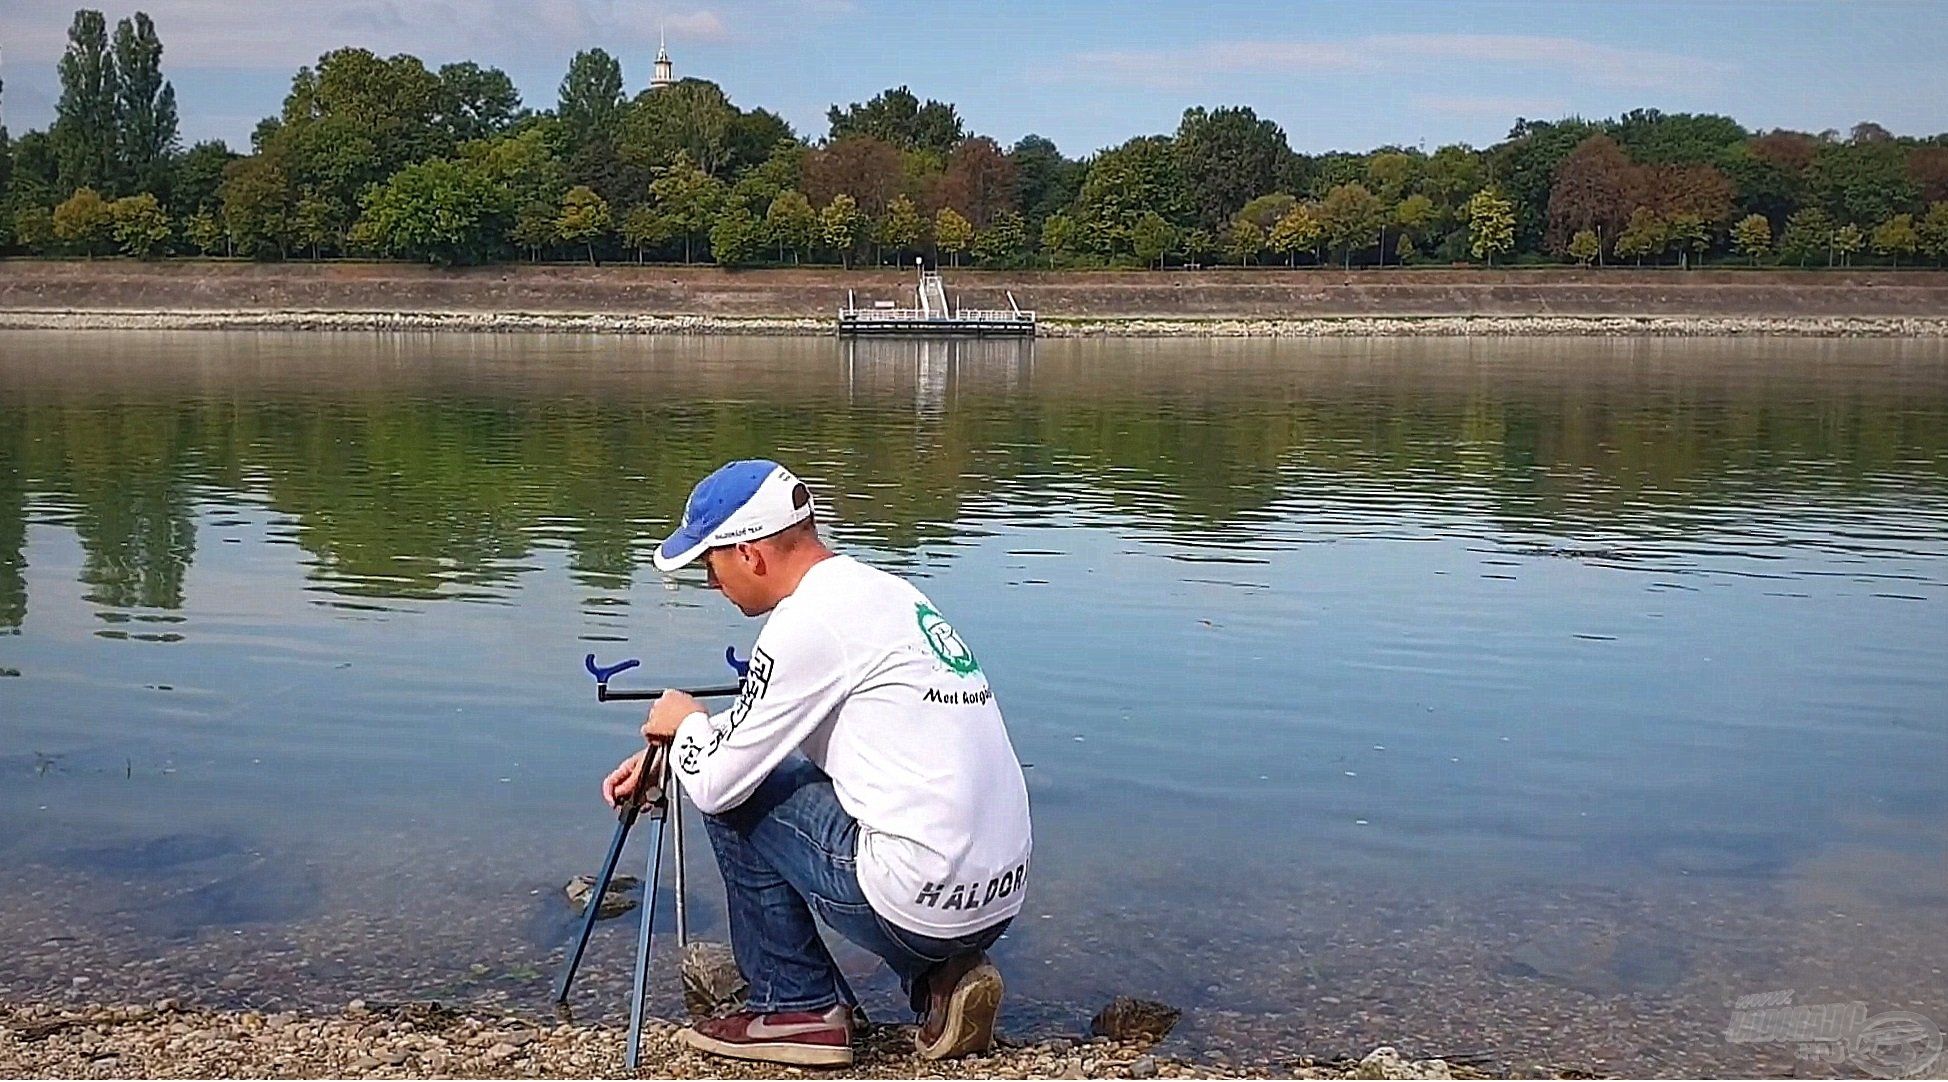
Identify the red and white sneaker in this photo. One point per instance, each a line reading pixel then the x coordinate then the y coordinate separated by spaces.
pixel 799 1038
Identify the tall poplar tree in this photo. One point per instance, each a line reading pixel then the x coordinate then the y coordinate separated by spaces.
pixel 84 131
pixel 145 106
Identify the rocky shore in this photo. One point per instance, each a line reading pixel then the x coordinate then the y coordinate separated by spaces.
pixel 424 1040
pixel 1134 327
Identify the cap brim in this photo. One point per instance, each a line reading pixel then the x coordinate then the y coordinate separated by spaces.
pixel 677 550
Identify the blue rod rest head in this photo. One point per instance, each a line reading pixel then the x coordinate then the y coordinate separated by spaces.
pixel 603 672
pixel 741 667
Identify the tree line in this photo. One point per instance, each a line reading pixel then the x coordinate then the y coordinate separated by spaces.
pixel 384 157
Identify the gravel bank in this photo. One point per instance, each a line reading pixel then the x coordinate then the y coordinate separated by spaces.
pixel 1344 327
pixel 423 1040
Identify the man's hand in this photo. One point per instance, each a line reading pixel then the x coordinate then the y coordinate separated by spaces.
pixel 622 781
pixel 658 728
pixel 667 714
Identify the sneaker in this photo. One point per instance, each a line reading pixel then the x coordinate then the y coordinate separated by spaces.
pixel 960 1015
pixel 799 1038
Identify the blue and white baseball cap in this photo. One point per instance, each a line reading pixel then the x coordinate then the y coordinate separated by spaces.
pixel 743 501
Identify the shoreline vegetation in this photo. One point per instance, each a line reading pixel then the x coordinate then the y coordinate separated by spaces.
pixel 386 157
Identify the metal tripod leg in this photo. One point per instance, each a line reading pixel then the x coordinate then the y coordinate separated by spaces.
pixel 682 889
pixel 625 818
pixel 633 1052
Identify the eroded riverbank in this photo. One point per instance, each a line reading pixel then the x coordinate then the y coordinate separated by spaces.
pixel 1117 327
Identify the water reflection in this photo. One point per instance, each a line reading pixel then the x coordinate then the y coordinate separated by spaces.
pixel 1595 669
pixel 435 469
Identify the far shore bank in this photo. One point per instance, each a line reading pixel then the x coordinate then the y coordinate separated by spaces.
pixel 1133 327
pixel 1233 302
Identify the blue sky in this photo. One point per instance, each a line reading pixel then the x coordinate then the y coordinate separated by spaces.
pixel 1091 73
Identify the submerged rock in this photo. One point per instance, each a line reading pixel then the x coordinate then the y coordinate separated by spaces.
pixel 1386 1062
pixel 615 901
pixel 712 984
pixel 1129 1019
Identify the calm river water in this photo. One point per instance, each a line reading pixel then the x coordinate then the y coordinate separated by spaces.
pixel 1526 698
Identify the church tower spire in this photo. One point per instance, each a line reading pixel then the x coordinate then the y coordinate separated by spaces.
pixel 663 75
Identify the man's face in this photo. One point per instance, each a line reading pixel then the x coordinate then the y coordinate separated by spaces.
pixel 734 571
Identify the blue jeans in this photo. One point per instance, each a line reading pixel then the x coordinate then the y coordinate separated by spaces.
pixel 786 854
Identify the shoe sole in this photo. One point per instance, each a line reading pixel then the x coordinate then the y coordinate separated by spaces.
pixel 971 1011
pixel 797 1055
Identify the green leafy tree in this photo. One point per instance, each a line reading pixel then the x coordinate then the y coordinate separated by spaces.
pixel 1847 240
pixel 534 227
pixel 1404 251
pixel 1139 177
pixel 1584 247
pixel 1045 182
pixel 85 222
pixel 198 177
pixel 1059 237
pixel 791 224
pixel 692 118
pixel 476 102
pixel 1688 235
pixel 898 117
pixel 145 106
pixel 316 224
pixel 842 226
pixel 1808 232
pixel 1896 237
pixel 1152 238
pixel 1297 231
pixel 1226 157
pixel 900 228
pixel 737 236
pixel 643 228
pixel 438 211
pixel 141 225
pixel 34 228
pixel 1491 224
pixel 1862 181
pixel 1200 246
pixel 203 231
pixel 1645 234
pixel 1351 218
pixel 589 100
pixel 257 201
pixel 1752 237
pixel 1243 240
pixel 585 219
pixel 688 198
pixel 1933 231
pixel 952 233
pixel 84 133
pixel 1003 241
pixel 1264 211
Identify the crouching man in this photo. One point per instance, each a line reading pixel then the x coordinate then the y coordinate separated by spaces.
pixel 863 777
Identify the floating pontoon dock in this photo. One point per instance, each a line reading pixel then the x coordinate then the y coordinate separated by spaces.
pixel 934 316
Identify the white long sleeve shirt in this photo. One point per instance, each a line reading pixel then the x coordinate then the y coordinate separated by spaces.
pixel 859 672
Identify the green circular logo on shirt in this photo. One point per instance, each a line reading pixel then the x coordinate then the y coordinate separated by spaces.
pixel 947 646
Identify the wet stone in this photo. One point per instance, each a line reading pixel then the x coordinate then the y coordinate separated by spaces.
pixel 1126 1018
